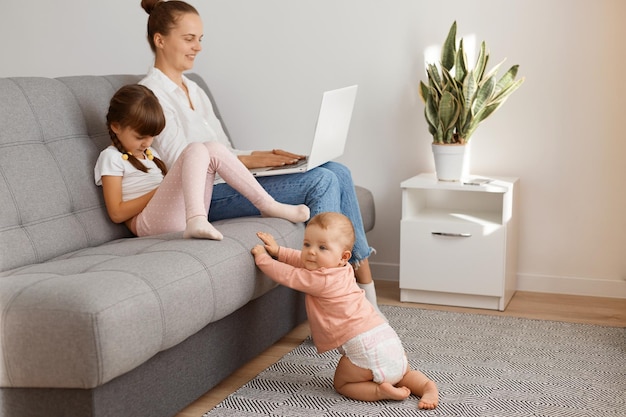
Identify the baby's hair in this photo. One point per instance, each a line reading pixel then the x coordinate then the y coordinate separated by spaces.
pixel 135 106
pixel 336 221
pixel 164 16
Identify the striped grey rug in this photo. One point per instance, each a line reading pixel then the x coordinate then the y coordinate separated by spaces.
pixel 483 365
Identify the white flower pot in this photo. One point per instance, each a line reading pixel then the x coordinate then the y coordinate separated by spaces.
pixel 451 161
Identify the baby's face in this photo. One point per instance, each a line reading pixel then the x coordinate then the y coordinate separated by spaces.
pixel 322 249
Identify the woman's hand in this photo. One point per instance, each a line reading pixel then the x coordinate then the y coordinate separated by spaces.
pixel 274 158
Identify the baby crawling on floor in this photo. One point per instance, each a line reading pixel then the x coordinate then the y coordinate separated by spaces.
pixel 373 365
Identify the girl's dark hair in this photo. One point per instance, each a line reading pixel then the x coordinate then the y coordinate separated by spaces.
pixel 135 106
pixel 164 16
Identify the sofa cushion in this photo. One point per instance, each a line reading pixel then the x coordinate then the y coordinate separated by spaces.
pixel 82 319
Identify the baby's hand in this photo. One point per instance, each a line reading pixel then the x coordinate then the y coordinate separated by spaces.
pixel 258 250
pixel 271 246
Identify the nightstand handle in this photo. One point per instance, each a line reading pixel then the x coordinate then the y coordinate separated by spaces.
pixel 452 234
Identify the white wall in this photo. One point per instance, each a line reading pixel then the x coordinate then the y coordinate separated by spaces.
pixel 268 62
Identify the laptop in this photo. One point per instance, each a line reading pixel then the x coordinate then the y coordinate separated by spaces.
pixel 331 133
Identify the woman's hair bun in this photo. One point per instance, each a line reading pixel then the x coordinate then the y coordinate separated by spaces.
pixel 149 5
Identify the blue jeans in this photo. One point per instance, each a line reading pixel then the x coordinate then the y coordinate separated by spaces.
pixel 326 188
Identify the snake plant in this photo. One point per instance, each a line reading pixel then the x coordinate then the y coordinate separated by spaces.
pixel 458 99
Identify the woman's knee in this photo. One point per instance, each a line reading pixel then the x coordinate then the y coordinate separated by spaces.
pixel 339 170
pixel 323 178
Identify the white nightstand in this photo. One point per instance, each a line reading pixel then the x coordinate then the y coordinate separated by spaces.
pixel 458 242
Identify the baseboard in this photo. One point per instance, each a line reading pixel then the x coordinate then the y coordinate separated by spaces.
pixel 571 285
pixel 534 283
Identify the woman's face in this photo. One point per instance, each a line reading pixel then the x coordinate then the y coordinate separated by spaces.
pixel 178 50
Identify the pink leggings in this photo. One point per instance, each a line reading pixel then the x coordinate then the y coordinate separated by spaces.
pixel 187 188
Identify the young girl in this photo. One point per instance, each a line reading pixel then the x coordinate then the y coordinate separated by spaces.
pixel 373 365
pixel 141 192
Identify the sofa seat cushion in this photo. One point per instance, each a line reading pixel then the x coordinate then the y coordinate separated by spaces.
pixel 82 319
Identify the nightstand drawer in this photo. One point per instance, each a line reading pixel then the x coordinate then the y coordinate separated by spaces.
pixel 459 256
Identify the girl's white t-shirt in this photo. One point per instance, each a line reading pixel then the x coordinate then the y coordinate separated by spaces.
pixel 135 183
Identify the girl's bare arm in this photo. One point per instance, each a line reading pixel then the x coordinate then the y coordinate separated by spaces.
pixel 120 211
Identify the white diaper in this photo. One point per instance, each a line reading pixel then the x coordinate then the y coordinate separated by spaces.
pixel 379 350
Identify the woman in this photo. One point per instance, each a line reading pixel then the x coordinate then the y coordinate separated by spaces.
pixel 175 31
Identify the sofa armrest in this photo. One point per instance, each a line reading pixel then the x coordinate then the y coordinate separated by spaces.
pixel 368 208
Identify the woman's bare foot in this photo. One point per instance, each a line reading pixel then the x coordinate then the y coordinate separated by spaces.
pixel 294 213
pixel 430 397
pixel 389 392
pixel 199 227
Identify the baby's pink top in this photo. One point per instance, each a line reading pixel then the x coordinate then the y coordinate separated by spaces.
pixel 336 307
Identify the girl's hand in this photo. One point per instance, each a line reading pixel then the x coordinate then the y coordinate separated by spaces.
pixel 270 244
pixel 274 158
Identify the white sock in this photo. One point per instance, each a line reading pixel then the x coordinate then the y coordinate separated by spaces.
pixel 293 213
pixel 370 294
pixel 200 228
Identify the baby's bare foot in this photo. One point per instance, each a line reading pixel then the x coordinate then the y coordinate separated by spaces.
pixel 390 392
pixel 430 397
pixel 199 227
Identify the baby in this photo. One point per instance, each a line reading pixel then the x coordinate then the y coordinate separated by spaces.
pixel 373 364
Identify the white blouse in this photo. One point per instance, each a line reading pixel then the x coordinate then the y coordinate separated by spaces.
pixel 183 124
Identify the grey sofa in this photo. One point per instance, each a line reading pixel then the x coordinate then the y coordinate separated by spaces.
pixel 93 321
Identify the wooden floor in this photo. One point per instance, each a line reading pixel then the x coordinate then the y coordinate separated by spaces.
pixel 569 308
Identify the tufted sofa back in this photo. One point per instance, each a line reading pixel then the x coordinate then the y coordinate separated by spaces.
pixel 51 132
